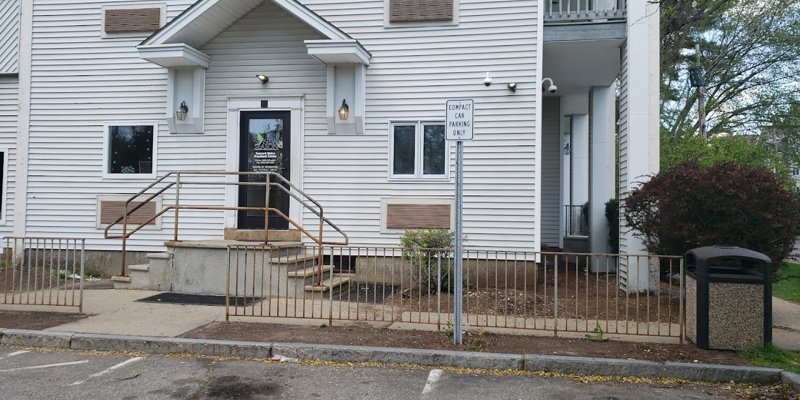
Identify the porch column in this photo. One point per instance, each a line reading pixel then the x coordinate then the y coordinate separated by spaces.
pixel 602 170
pixel 639 138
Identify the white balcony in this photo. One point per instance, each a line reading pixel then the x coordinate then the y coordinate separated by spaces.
pixel 566 11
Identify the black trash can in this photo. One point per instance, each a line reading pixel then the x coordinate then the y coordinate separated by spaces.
pixel 728 298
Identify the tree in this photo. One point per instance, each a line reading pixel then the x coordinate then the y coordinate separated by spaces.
pixel 737 149
pixel 782 137
pixel 750 50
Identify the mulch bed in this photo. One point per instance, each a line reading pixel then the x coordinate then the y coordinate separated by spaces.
pixel 35 319
pixel 362 335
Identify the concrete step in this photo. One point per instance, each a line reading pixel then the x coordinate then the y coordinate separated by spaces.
pixel 158 256
pixel 258 235
pixel 121 282
pixel 328 284
pixel 138 268
pixel 292 259
pixel 309 271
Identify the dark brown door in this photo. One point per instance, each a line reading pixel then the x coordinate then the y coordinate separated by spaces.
pixel 264 147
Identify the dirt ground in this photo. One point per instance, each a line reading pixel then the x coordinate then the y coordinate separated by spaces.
pixel 362 335
pixel 36 320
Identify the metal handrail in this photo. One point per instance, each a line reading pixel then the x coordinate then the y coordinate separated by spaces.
pixel 280 183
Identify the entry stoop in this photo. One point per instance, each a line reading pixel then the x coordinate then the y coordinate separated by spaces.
pixel 155 275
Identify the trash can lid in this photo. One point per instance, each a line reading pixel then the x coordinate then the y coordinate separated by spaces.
pixel 718 251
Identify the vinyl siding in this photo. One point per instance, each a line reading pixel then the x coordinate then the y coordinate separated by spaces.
pixel 413 71
pixel 9 107
pixel 623 163
pixel 9 36
pixel 80 81
pixel 551 171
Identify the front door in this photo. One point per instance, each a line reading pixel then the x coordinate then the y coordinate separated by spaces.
pixel 264 146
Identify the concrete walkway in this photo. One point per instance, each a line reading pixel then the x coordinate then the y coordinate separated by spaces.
pixel 785 324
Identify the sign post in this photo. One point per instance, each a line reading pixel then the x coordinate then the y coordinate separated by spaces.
pixel 458 127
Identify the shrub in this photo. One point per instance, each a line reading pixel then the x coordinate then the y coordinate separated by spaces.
pixel 421 247
pixel 726 204
pixel 612 216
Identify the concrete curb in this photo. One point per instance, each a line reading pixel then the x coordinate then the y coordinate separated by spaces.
pixel 526 362
pixel 22 337
pixel 791 379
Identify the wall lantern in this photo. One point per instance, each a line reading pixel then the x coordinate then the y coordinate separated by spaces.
pixel 263 78
pixel 181 112
pixel 344 110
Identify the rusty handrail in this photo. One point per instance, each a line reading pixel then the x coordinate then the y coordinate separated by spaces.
pixel 178 183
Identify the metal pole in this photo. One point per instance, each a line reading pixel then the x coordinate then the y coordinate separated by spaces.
pixel 177 205
pixel 458 334
pixel 701 107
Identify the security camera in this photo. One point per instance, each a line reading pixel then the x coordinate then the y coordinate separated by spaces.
pixel 488 80
pixel 551 88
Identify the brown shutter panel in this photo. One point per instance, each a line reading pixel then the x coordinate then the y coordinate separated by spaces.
pixel 110 210
pixel 420 10
pixel 133 20
pixel 417 216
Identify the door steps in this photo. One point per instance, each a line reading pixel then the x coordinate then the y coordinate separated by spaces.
pixel 328 284
pixel 309 271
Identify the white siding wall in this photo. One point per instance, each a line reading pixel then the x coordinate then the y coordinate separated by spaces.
pixel 414 70
pixel 82 80
pixel 9 107
pixel 79 81
pixel 551 172
pixel 9 36
pixel 623 150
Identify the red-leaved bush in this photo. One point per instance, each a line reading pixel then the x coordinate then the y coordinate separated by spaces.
pixel 689 206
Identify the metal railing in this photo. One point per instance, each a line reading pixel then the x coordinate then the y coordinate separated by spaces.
pixel 576 220
pixel 180 179
pixel 554 292
pixel 584 10
pixel 39 271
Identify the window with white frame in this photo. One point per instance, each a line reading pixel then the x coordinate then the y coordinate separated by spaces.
pixel 417 150
pixel 130 149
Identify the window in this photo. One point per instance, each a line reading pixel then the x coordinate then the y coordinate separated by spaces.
pixel 130 150
pixel 418 150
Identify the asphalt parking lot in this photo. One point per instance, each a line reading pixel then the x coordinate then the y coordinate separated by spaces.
pixel 37 374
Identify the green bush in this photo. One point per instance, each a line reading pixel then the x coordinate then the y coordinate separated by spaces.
pixel 690 206
pixel 424 248
pixel 612 216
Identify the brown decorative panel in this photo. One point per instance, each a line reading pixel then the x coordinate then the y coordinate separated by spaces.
pixel 110 210
pixel 133 20
pixel 420 10
pixel 417 216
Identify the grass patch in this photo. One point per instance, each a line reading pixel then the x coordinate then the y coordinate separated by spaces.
pixel 771 356
pixel 787 283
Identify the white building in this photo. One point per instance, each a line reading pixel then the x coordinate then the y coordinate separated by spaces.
pixel 90 90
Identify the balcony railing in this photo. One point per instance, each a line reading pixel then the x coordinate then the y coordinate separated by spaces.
pixel 583 10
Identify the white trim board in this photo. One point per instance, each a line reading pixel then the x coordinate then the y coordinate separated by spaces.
pixel 235 107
